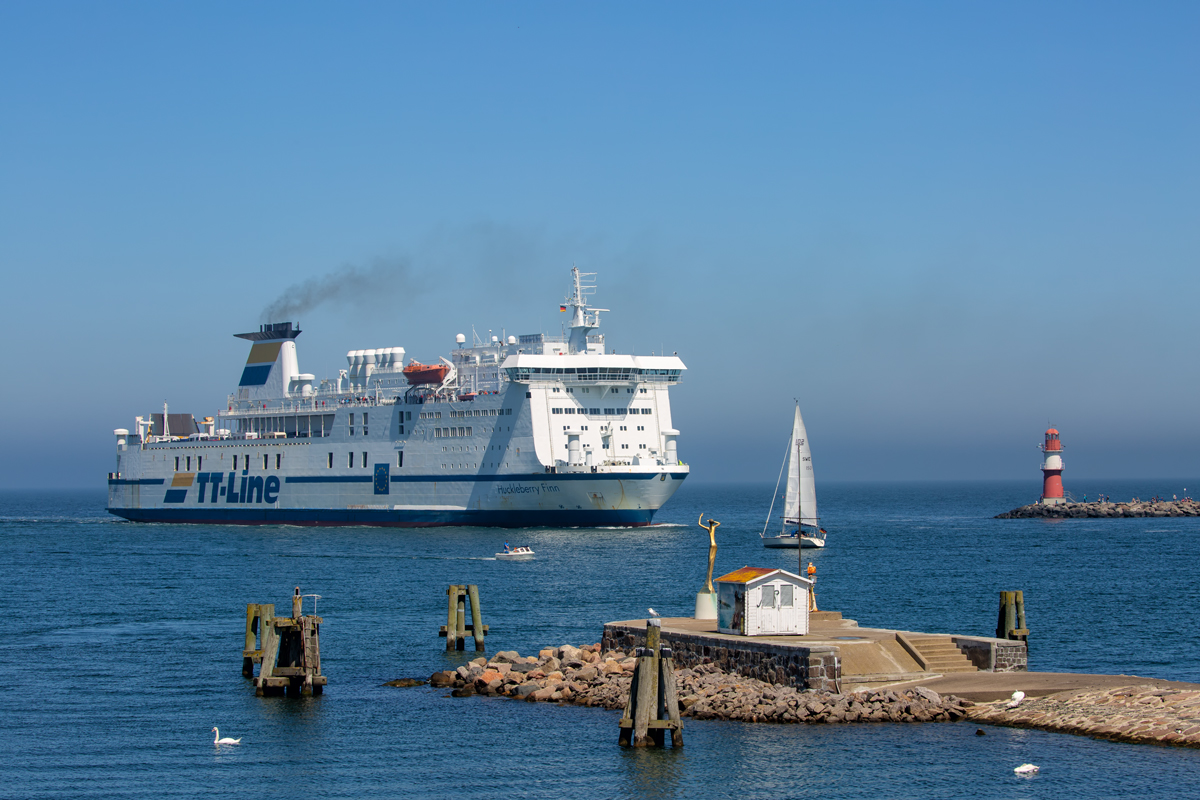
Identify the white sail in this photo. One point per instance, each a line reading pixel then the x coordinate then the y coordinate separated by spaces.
pixel 800 502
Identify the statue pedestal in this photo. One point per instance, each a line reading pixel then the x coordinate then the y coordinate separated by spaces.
pixel 706 605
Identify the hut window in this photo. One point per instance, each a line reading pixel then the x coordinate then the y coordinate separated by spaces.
pixel 785 596
pixel 768 597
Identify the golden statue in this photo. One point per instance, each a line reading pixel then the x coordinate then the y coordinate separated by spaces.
pixel 711 527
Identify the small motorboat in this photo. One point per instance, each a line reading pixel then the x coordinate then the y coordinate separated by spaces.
pixel 514 553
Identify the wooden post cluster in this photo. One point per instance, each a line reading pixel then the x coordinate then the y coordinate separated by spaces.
pixel 287 648
pixel 653 706
pixel 456 628
pixel 1010 623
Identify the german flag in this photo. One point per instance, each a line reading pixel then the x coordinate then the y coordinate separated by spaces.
pixel 562 308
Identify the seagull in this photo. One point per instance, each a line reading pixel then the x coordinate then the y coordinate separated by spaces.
pixel 1017 697
pixel 218 740
pixel 653 613
pixel 1026 769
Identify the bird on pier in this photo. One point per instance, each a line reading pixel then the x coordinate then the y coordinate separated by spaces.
pixel 653 613
pixel 218 740
pixel 1017 697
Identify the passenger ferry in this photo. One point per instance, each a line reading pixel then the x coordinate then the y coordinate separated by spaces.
pixel 524 431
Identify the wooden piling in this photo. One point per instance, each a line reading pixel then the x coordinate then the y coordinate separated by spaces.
pixel 452 618
pixel 1010 621
pixel 290 652
pixel 476 618
pixel 461 621
pixel 653 705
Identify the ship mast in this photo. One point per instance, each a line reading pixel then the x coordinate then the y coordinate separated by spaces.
pixel 584 319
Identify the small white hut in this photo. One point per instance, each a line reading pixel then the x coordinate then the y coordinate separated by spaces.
pixel 753 601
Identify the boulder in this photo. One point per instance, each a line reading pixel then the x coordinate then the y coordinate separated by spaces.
pixel 929 694
pixel 403 683
pixel 548 652
pixel 441 679
pixel 506 657
pixel 569 653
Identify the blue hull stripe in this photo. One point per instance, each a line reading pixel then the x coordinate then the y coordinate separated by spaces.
pixel 533 476
pixel 389 518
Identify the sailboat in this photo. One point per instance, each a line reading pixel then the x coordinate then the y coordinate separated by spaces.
pixel 799 524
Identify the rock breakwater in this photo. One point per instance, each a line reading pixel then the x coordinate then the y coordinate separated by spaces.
pixel 585 676
pixel 1133 508
pixel 1140 714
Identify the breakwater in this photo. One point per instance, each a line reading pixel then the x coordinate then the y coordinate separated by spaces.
pixel 585 676
pixel 1132 508
pixel 1140 713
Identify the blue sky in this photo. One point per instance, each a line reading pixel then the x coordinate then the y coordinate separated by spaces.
pixel 940 226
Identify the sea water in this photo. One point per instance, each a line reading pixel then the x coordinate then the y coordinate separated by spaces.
pixel 121 649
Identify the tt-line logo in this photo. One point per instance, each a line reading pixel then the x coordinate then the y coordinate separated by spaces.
pixel 252 489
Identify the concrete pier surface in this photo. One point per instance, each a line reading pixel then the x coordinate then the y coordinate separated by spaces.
pixel 1134 508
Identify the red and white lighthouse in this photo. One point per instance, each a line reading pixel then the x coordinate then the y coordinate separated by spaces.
pixel 1052 467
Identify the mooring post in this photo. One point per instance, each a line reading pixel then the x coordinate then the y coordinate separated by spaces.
pixel 461 619
pixel 647 694
pixel 669 697
pixel 452 618
pixel 476 617
pixel 251 644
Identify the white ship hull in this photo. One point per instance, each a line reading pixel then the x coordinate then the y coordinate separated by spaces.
pixel 537 433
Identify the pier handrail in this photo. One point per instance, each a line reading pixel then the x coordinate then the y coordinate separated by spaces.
pixel 912 651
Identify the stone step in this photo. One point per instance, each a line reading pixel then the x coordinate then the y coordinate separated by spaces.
pixel 941 654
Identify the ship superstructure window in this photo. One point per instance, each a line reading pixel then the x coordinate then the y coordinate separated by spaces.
pixel 446 433
pixel 177 463
pixel 278 460
pixel 428 415
pixel 199 462
pixel 351 425
pixel 610 412
pixel 595 412
pixel 266 460
pixel 330 462
pixel 364 460
pixel 399 458
pixel 350 462
pixel 364 426
pixel 189 463
pixel 235 463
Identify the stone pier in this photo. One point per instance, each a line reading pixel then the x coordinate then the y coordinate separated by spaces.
pixel 836 655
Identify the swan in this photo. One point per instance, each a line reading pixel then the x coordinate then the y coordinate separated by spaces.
pixel 218 740
pixel 1026 769
pixel 1017 697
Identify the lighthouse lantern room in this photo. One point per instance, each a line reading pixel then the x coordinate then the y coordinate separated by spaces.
pixel 1052 467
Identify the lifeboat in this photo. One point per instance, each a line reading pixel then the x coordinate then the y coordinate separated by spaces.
pixel 419 374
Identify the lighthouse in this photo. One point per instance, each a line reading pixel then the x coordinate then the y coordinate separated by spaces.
pixel 1052 467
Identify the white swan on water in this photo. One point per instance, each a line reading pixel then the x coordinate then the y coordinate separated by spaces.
pixel 218 740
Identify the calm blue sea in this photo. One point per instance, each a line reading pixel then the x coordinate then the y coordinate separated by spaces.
pixel 122 648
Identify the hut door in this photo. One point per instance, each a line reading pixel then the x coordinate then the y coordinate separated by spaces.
pixel 768 614
pixel 787 608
